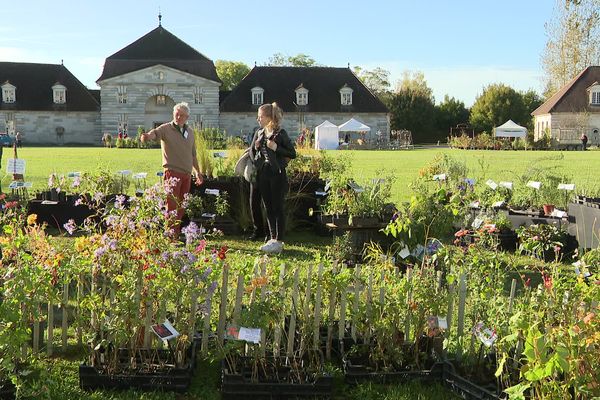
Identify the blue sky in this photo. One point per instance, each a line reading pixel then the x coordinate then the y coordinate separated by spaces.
pixel 461 46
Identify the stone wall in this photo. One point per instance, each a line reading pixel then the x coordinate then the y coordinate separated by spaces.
pixel 142 87
pixel 237 124
pixel 40 128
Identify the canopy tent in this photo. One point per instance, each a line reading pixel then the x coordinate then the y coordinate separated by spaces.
pixel 510 129
pixel 353 125
pixel 326 136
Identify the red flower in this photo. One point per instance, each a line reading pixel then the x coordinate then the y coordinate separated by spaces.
pixel 547 281
pixel 151 277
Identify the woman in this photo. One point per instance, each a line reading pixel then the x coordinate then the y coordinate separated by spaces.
pixel 271 149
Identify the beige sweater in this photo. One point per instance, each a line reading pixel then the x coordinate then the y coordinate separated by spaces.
pixel 178 152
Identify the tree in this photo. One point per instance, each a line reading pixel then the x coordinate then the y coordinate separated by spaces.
pixel 412 110
pixel 231 73
pixel 450 113
pixel 573 42
pixel 497 104
pixel 377 80
pixel 531 101
pixel 415 81
pixel 299 60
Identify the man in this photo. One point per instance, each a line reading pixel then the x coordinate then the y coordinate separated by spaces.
pixel 178 158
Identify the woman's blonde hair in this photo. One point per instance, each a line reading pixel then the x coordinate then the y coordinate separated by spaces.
pixel 274 113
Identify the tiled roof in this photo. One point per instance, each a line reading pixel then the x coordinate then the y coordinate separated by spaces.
pixel 572 97
pixel 159 46
pixel 34 88
pixel 323 85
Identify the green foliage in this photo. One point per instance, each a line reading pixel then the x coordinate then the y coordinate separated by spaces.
pixel 541 241
pixel 377 80
pixel 299 60
pixel 413 110
pixel 450 113
pixel 231 73
pixel 497 104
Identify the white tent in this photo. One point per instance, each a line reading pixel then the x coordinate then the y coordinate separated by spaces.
pixel 326 136
pixel 353 125
pixel 510 129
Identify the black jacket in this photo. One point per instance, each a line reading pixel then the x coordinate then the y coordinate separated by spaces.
pixel 278 159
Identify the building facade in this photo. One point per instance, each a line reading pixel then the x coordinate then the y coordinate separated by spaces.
pixel 140 84
pixel 572 111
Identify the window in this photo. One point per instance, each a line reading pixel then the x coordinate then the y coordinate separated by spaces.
pixel 301 96
pixel 8 93
pixel 161 99
pixel 59 93
pixel 122 94
pixel 198 95
pixel 594 94
pixel 257 96
pixel 346 95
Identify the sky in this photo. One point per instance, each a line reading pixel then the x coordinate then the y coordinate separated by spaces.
pixel 461 46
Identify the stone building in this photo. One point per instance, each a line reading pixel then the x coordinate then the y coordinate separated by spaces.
pixel 572 111
pixel 140 83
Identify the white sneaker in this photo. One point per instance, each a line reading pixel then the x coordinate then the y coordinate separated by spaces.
pixel 272 246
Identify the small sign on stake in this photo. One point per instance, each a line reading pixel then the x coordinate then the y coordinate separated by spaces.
pixel 439 177
pixel 213 192
pixel 534 185
pixel 506 185
pixel 165 331
pixel 566 186
pixel 492 185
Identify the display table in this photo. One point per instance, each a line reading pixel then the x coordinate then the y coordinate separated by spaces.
pixel 56 213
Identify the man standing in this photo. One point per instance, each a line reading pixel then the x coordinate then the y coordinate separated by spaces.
pixel 178 159
pixel 584 140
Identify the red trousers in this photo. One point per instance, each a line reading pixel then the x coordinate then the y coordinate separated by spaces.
pixel 175 199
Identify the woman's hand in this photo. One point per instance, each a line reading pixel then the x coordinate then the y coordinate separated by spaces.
pixel 271 144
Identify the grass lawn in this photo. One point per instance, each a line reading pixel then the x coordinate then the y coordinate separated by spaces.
pixel 497 165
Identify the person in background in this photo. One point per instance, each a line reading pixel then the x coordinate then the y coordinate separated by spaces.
pixel 584 140
pixel 271 151
pixel 179 160
pixel 18 140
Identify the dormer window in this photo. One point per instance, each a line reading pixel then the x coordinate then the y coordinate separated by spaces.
pixel 595 94
pixel 59 93
pixel 9 93
pixel 257 96
pixel 198 95
pixel 346 95
pixel 122 94
pixel 301 96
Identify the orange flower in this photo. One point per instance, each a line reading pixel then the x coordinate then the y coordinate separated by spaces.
pixel 588 318
pixel 31 219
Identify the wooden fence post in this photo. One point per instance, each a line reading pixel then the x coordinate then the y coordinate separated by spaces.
pixel 462 296
pixel 65 316
pixel 356 301
pixel 409 272
pixel 223 305
pixel 332 297
pixel 292 328
pixel 281 321
pixel 317 319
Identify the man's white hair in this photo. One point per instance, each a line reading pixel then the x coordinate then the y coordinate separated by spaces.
pixel 182 106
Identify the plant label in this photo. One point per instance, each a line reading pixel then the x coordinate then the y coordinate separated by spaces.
pixel 165 331
pixel 15 166
pixel 498 204
pixel 319 193
pixel 442 322
pixel 485 335
pixel 213 192
pixel 491 184
pixel 477 223
pixel 140 175
pixel 249 334
pixel 73 174
pixel 124 172
pixel 566 186
pixel 439 177
pixel 219 154
pixel 474 204
pixel 534 185
pixel 404 252
pixel 506 185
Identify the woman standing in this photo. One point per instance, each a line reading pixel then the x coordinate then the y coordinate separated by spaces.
pixel 271 150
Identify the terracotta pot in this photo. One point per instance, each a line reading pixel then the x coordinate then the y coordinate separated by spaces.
pixel 548 208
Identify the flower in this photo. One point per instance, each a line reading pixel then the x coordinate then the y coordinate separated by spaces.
pixel 70 226
pixel 547 281
pixel 31 219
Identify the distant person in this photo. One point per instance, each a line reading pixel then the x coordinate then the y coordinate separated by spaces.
pixel 584 140
pixel 272 149
pixel 18 140
pixel 179 160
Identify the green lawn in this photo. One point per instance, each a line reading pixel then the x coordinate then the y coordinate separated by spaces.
pixel 497 165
